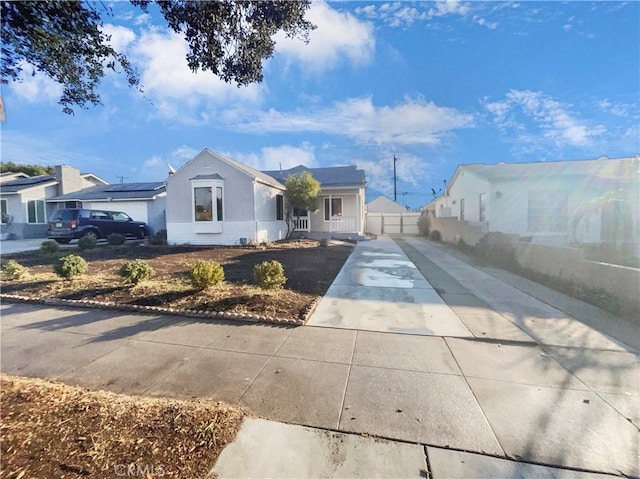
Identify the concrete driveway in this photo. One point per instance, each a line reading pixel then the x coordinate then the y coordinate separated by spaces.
pixel 525 382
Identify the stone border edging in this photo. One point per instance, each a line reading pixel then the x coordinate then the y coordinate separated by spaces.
pixel 255 318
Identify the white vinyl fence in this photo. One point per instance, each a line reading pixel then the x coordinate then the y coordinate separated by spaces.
pixel 392 223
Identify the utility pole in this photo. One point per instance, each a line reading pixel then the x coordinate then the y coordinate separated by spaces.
pixel 122 178
pixel 395 195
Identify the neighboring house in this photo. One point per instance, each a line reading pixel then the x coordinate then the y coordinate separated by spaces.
pixel 141 201
pixel 382 204
pixel 216 200
pixel 555 202
pixel 23 199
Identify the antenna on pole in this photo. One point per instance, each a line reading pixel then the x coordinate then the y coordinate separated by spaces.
pixel 122 178
pixel 395 195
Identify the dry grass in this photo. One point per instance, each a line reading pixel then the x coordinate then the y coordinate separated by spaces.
pixel 52 430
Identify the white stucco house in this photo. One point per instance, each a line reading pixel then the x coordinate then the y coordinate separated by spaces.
pixel 382 204
pixel 24 205
pixel 554 202
pixel 213 199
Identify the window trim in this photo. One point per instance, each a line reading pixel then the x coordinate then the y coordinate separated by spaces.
pixel 462 207
pixel 324 206
pixel 548 219
pixel 214 225
pixel 44 211
pixel 482 207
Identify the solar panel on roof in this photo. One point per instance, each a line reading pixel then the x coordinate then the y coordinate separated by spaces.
pixel 32 180
pixel 134 187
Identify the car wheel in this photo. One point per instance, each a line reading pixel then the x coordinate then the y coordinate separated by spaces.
pixel 91 234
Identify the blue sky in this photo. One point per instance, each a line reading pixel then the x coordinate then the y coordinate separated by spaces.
pixel 436 84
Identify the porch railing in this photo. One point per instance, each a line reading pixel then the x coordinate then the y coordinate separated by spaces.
pixel 302 223
pixel 343 224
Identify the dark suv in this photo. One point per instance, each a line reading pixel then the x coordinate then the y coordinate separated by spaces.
pixel 68 224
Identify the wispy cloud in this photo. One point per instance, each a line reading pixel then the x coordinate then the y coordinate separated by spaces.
pixel 34 86
pixel 339 37
pixel 277 157
pixel 536 117
pixel 156 168
pixel 414 121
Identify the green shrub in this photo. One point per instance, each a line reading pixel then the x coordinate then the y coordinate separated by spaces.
pixel 49 247
pixel 159 238
pixel 132 272
pixel 206 273
pixel 497 249
pixel 424 225
pixel 269 274
pixel 116 239
pixel 435 235
pixel 14 270
pixel 87 242
pixel 70 265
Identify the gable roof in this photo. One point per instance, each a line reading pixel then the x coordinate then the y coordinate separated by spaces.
pixel 120 191
pixel 620 169
pixel 328 177
pixel 20 184
pixel 382 204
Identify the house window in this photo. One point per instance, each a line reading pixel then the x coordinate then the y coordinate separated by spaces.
pixel 279 207
pixel 547 212
pixel 4 217
pixel 462 209
pixel 332 207
pixel 219 202
pixel 203 203
pixel 483 207
pixel 35 212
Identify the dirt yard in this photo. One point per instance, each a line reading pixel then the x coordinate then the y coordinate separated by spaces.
pixel 54 430
pixel 309 268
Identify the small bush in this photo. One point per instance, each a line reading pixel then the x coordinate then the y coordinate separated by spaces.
pixel 269 274
pixel 70 265
pixel 424 225
pixel 497 249
pixel 87 242
pixel 159 238
pixel 435 235
pixel 132 272
pixel 49 247
pixel 14 270
pixel 116 239
pixel 206 273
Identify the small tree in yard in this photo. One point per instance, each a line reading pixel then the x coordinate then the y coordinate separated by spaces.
pixel 302 194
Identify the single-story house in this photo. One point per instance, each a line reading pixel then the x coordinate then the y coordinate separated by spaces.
pixel 23 199
pixel 141 201
pixel 554 202
pixel 213 199
pixel 382 204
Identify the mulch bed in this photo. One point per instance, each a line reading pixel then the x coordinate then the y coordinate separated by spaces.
pixel 310 269
pixel 54 430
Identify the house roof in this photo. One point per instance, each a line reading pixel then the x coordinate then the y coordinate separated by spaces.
pixel 121 191
pixel 19 184
pixel 384 205
pixel 214 176
pixel 616 169
pixel 86 176
pixel 330 176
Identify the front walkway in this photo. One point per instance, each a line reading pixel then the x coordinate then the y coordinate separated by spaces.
pixel 532 385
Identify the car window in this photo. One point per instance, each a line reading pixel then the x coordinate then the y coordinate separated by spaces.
pixel 119 216
pixel 99 215
pixel 85 214
pixel 63 215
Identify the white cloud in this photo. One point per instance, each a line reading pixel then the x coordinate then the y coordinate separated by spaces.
pixel 414 121
pixel 277 157
pixel 175 89
pixel 338 36
pixel 533 116
pixel 156 168
pixel 409 169
pixel 121 37
pixel 449 7
pixel 35 86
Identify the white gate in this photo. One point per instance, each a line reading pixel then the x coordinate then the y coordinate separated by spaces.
pixel 392 223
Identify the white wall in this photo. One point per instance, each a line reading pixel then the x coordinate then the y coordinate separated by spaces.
pixel 467 186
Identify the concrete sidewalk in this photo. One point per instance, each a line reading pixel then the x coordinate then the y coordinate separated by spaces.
pixel 518 386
